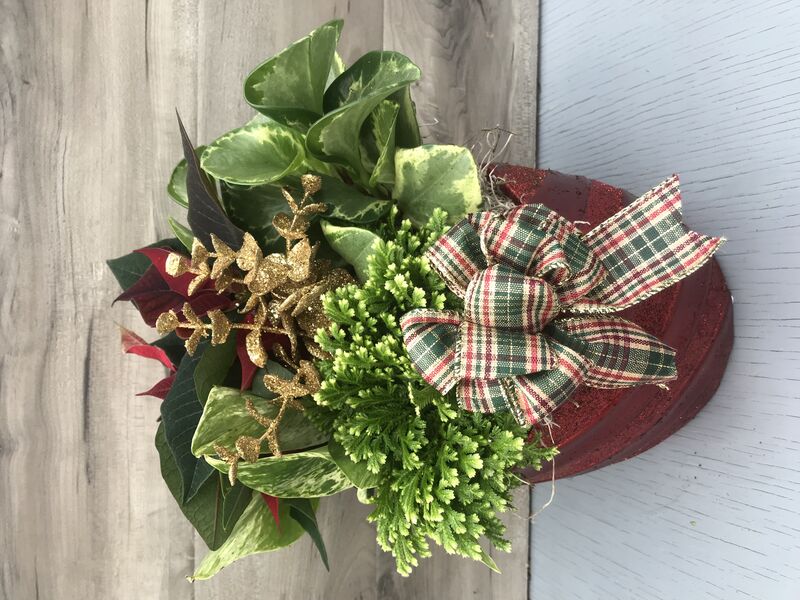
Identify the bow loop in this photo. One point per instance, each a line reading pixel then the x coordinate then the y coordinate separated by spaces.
pixel 502 298
pixel 490 353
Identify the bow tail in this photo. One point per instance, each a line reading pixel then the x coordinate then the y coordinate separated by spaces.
pixel 622 354
pixel 645 248
pixel 431 338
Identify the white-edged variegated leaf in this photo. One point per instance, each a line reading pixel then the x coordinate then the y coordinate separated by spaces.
pixel 306 474
pixel 254 532
pixel 255 154
pixel 349 101
pixel 354 244
pixel 429 177
pixel 289 87
pixel 225 418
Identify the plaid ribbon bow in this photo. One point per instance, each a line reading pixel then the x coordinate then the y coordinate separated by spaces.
pixel 538 295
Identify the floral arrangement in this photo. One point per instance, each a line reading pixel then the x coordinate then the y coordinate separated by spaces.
pixel 340 313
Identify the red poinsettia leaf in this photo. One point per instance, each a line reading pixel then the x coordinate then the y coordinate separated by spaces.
pixel 208 300
pixel 160 389
pixel 249 369
pixel 158 256
pixel 133 344
pixel 272 503
pixel 150 305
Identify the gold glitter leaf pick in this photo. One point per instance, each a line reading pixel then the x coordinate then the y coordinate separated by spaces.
pixel 176 265
pixel 220 327
pixel 290 200
pixel 231 458
pixel 311 183
pixel 225 257
pixel 194 340
pixel 291 228
pixel 167 322
pixel 249 254
pixel 190 315
pixel 317 208
pixel 249 448
pixel 269 274
pixel 199 254
pixel 299 259
pixel 255 348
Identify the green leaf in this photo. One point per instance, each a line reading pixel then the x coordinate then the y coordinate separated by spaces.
pixel 306 474
pixel 289 87
pixel 353 244
pixel 252 209
pixel 302 511
pixel 407 130
pixel 176 188
pixel 350 99
pixel 225 419
pixel 180 414
pixel 214 366
pixel 254 532
pixel 205 511
pixel 129 268
pixel 345 202
pixel 183 233
pixel 430 177
pixel 489 561
pixel 356 472
pixel 255 154
pixel 235 500
pixel 383 122
pixel 337 68
pixel 173 346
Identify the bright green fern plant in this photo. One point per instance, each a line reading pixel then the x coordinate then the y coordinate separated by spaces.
pixel 442 474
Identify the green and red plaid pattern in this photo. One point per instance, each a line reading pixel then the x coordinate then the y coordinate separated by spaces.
pixel 516 347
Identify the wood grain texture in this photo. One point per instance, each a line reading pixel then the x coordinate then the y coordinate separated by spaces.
pixel 87 141
pixel 631 92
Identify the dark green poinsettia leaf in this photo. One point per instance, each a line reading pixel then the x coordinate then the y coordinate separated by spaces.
pixel 254 532
pixel 430 177
pixel 180 414
pixel 302 511
pixel 305 474
pixel 356 472
pixel 354 244
pixel 289 86
pixel 213 367
pixel 235 500
pixel 205 215
pixel 183 233
pixel 349 101
pixel 255 154
pixel 225 418
pixel 173 346
pixel 205 511
pixel 128 269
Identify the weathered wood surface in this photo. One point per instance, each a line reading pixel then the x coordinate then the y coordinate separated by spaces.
pixel 631 92
pixel 87 141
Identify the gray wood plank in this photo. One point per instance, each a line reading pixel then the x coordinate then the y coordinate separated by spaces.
pixel 632 91
pixel 83 513
pixel 87 141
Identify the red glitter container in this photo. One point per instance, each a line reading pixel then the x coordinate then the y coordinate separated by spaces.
pixel 598 427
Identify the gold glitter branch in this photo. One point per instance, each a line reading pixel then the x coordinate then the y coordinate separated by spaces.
pixel 282 291
pixel 305 382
